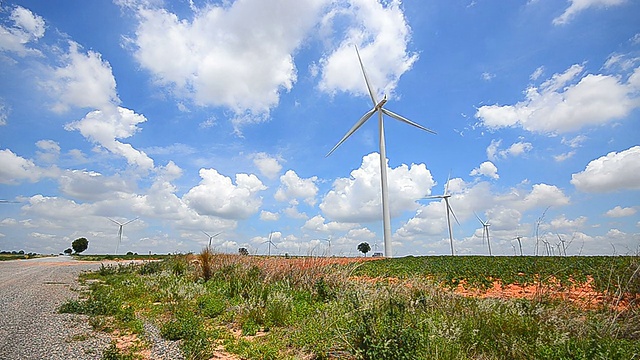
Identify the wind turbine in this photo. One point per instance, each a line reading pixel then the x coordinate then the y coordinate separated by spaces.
pixel 211 236
pixel 485 231
pixel 378 107
pixel 270 243
pixel 120 230
pixel 329 241
pixel 519 243
pixel 450 212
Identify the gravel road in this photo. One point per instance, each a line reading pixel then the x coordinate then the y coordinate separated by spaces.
pixel 30 327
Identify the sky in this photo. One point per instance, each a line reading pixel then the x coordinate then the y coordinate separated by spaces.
pixel 197 117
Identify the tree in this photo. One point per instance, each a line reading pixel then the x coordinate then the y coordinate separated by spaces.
pixel 79 245
pixel 243 251
pixel 68 251
pixel 364 248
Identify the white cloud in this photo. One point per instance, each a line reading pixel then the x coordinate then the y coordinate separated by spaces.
pixel 238 55
pixel 560 105
pixel 105 127
pixel 86 81
pixel 269 166
pixel 14 168
pixel 26 28
pixel 92 186
pixel 615 171
pixel 619 211
pixel 564 156
pixel 318 224
pixel 4 113
pixel 269 216
pixel 487 169
pixel 486 76
pixel 578 6
pixel 216 195
pixel 544 195
pixel 50 150
pixel 293 213
pixel 293 187
pixel 358 199
pixel 381 32
pixel 537 73
pixel 516 149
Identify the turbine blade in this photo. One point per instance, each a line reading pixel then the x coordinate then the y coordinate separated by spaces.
pixel 355 127
pixel 114 221
pixel 130 221
pixel 366 79
pixel 217 234
pixel 446 186
pixel 478 217
pixel 204 232
pixel 434 197
pixel 405 120
pixel 454 214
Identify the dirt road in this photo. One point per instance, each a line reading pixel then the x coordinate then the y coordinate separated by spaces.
pixel 30 327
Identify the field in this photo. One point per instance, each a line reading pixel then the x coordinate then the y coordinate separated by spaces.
pixel 250 307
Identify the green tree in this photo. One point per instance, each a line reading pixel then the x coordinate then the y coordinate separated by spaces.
pixel 79 245
pixel 68 251
pixel 243 251
pixel 364 248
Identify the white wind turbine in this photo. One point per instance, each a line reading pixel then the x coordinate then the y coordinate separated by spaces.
pixel 449 210
pixel 328 240
pixel 378 107
pixel 120 230
pixel 485 231
pixel 211 236
pixel 270 243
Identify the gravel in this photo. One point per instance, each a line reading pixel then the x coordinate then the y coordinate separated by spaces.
pixel 30 326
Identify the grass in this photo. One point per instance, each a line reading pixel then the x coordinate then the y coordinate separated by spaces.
pixel 276 308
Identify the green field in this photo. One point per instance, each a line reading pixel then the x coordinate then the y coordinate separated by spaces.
pixel 276 308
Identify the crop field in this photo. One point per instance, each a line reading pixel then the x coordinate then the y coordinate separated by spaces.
pixel 469 307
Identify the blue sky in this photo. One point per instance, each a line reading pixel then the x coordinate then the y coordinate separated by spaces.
pixel 216 116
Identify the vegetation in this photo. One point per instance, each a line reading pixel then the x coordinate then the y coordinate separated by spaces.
pixel 312 308
pixel 16 255
pixel 364 248
pixel 79 245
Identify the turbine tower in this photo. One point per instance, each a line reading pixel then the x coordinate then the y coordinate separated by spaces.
pixel 378 107
pixel 485 231
pixel 449 210
pixel 120 230
pixel 328 240
pixel 211 236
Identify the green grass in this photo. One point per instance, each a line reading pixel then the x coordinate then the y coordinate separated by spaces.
pixel 259 312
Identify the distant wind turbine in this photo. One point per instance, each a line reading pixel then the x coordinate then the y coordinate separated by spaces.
pixel 378 107
pixel 485 231
pixel 449 210
pixel 211 236
pixel 270 243
pixel 328 240
pixel 120 230
pixel 519 238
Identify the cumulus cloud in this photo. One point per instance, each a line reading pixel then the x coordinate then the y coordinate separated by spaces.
pixel 14 168
pixel 487 169
pixel 269 216
pixel 92 186
pixel 578 6
pixel 27 27
pixel 358 199
pixel 86 81
pixel 516 149
pixel 216 195
pixel 292 187
pixel 612 172
pixel 105 127
pixel 618 212
pixel 381 32
pixel 319 224
pixel 238 55
pixel 563 105
pixel 269 166
pixel 49 150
